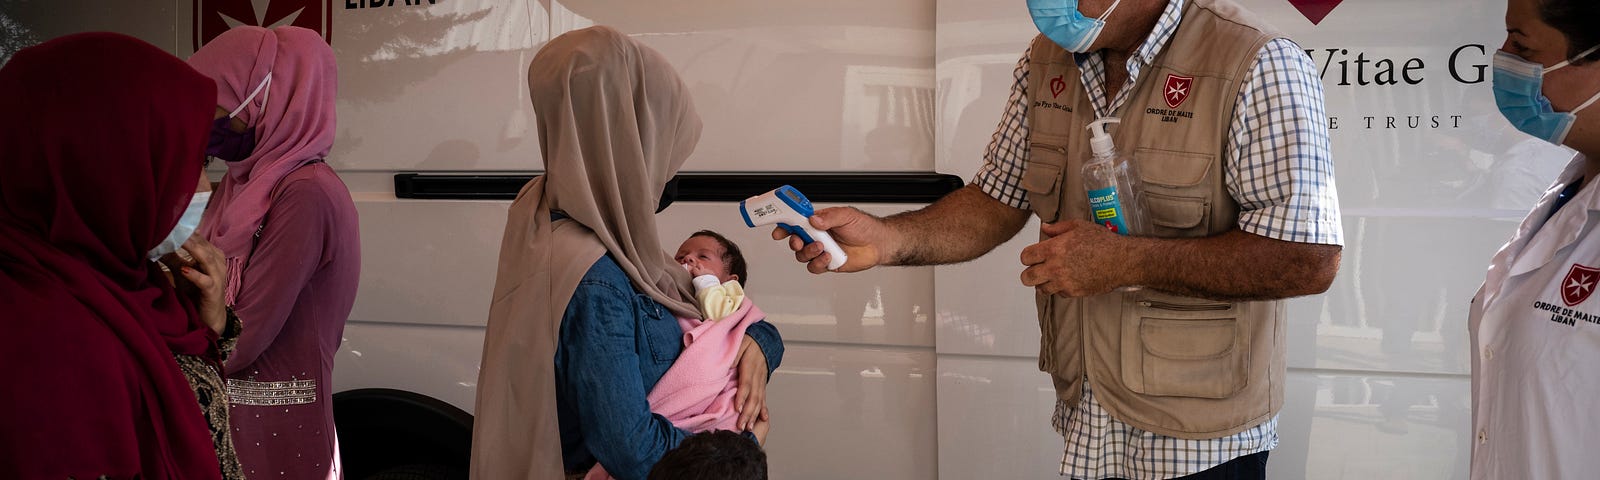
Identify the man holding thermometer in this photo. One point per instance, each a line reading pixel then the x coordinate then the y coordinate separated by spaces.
pixel 1223 117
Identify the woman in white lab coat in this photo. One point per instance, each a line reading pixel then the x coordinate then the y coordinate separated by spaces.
pixel 1535 323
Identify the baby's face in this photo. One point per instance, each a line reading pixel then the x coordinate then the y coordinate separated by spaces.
pixel 703 256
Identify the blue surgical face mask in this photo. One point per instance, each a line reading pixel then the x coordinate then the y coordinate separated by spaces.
pixel 187 224
pixel 1518 91
pixel 1061 22
pixel 231 146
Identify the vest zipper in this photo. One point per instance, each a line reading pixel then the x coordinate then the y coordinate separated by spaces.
pixel 1207 307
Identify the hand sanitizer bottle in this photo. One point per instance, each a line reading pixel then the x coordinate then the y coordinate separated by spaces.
pixel 1111 183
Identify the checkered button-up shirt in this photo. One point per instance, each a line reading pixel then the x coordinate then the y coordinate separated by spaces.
pixel 1279 169
pixel 1279 163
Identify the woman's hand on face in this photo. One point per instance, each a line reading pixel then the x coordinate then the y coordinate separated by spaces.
pixel 204 279
pixel 751 401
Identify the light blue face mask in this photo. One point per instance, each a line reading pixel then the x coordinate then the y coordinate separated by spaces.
pixel 1061 22
pixel 187 224
pixel 1518 91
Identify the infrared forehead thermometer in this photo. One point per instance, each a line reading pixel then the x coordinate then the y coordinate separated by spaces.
pixel 791 211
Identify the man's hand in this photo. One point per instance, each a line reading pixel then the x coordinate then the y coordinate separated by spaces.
pixel 1078 260
pixel 864 238
pixel 751 399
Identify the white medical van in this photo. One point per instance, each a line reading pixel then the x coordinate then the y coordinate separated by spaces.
pixel 898 373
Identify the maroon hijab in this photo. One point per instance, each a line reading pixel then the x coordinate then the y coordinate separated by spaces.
pixel 101 142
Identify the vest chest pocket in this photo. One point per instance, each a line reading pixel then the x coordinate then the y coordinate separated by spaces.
pixel 1184 347
pixel 1042 179
pixel 1178 189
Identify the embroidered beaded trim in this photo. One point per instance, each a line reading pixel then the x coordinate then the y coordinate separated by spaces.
pixel 267 394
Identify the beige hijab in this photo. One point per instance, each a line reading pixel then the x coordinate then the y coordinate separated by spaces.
pixel 615 123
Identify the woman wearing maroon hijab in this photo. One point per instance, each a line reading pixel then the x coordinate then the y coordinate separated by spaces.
pixel 101 146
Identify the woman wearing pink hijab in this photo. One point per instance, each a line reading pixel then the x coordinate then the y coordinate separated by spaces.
pixel 288 228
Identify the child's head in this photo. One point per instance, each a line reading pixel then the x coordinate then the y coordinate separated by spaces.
pixel 714 455
pixel 707 252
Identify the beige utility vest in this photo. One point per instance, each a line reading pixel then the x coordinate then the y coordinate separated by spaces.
pixel 1177 366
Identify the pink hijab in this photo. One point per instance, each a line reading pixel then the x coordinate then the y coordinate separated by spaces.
pixel 293 118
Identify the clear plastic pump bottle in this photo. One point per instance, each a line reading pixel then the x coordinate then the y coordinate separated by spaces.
pixel 1112 184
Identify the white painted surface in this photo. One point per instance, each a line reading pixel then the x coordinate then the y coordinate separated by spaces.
pixel 1360 427
pixel 852 412
pixel 787 86
pixel 437 361
pixel 918 85
pixel 439 275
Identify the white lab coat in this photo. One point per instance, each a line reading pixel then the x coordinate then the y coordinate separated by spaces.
pixel 1536 367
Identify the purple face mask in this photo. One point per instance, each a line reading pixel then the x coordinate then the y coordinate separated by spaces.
pixel 231 146
pixel 228 145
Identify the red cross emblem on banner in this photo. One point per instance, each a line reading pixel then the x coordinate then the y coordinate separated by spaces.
pixel 212 17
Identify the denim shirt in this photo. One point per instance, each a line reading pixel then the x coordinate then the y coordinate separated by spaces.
pixel 615 344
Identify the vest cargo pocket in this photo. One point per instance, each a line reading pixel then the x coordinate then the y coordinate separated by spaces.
pixel 1047 332
pixel 1174 192
pixel 1176 170
pixel 1042 180
pixel 1186 349
pixel 1175 216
